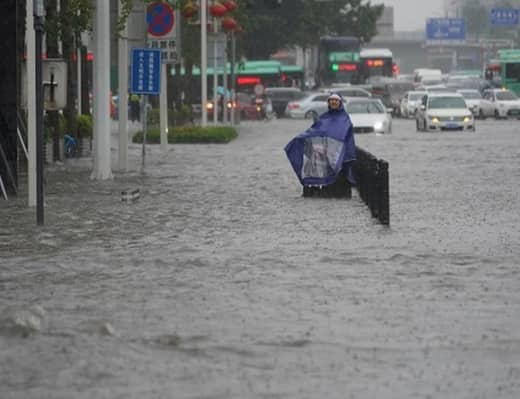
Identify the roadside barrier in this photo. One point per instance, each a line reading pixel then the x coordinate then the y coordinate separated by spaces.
pixel 372 184
pixel 339 189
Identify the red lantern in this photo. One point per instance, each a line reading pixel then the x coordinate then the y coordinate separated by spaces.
pixel 217 10
pixel 189 10
pixel 230 5
pixel 229 23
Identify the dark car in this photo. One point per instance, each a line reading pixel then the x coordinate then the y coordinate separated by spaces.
pixel 391 92
pixel 281 96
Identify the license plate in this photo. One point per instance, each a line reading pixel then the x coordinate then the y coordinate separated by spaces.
pixel 452 125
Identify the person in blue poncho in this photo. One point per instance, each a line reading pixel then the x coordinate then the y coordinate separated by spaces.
pixel 319 154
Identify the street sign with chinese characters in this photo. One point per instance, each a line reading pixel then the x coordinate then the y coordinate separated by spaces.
pixel 445 30
pixel 504 16
pixel 145 76
pixel 163 31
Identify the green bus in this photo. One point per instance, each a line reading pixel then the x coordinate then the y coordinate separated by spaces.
pixel 510 69
pixel 293 76
pixel 269 73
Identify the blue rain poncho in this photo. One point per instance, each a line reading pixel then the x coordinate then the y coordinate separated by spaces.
pixel 318 154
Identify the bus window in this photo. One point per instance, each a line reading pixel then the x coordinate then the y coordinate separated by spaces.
pixel 376 62
pixel 338 60
pixel 512 72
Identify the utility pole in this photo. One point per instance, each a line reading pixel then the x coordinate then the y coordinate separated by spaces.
pixel 31 102
pixel 204 59
pixel 39 19
pixel 102 160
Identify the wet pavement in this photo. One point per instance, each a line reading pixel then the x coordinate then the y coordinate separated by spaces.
pixel 222 281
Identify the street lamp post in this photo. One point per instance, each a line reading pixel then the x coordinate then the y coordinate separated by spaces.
pixel 39 19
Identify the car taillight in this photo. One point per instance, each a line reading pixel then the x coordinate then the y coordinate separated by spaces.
pixel 293 106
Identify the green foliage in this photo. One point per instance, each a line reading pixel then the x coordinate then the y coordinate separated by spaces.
pixel 153 117
pixel 174 116
pixel 49 129
pixel 84 125
pixel 190 134
pixel 180 116
pixel 303 22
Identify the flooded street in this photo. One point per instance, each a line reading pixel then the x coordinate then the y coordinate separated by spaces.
pixel 222 282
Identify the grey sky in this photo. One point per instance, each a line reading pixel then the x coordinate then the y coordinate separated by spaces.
pixel 412 14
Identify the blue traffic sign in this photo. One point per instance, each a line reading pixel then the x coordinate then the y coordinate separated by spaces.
pixel 145 76
pixel 504 16
pixel 160 19
pixel 445 29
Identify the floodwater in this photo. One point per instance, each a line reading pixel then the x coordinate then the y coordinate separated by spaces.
pixel 222 282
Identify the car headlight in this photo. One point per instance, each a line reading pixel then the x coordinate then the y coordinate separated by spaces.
pixel 378 126
pixel 434 119
pixel 468 119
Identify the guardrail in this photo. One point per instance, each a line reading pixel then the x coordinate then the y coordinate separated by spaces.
pixel 372 184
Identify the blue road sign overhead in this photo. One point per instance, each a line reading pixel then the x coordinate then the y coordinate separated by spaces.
pixel 445 29
pixel 145 76
pixel 504 16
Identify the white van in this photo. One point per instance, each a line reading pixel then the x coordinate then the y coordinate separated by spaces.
pixel 429 74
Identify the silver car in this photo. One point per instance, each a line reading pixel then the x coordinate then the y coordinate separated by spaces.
pixel 308 107
pixel 505 102
pixel 481 107
pixel 369 115
pixel 410 103
pixel 444 111
pixel 351 91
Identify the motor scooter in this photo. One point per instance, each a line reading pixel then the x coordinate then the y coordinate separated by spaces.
pixel 264 108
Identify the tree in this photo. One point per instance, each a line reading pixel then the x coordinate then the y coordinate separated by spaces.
pixel 302 22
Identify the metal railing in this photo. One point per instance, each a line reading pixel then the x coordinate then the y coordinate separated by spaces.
pixel 373 184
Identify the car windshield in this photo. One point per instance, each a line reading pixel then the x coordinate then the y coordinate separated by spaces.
pixel 506 95
pixel 471 95
pixel 365 108
pixel 447 102
pixel 416 96
pixel 354 93
pixel 400 87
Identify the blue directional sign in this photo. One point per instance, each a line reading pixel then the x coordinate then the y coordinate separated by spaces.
pixel 504 16
pixel 145 76
pixel 445 29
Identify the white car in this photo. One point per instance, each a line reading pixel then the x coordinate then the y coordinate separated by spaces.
pixel 350 91
pixel 444 112
pixel 410 103
pixel 369 115
pixel 506 103
pixel 309 107
pixel 480 107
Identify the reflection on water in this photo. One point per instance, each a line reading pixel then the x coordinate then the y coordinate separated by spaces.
pixel 222 281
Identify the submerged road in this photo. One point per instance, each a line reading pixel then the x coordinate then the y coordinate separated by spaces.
pixel 222 281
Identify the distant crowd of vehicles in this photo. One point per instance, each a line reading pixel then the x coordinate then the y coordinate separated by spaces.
pixel 372 76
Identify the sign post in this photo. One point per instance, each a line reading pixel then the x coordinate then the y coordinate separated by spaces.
pixel 145 79
pixel 160 18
